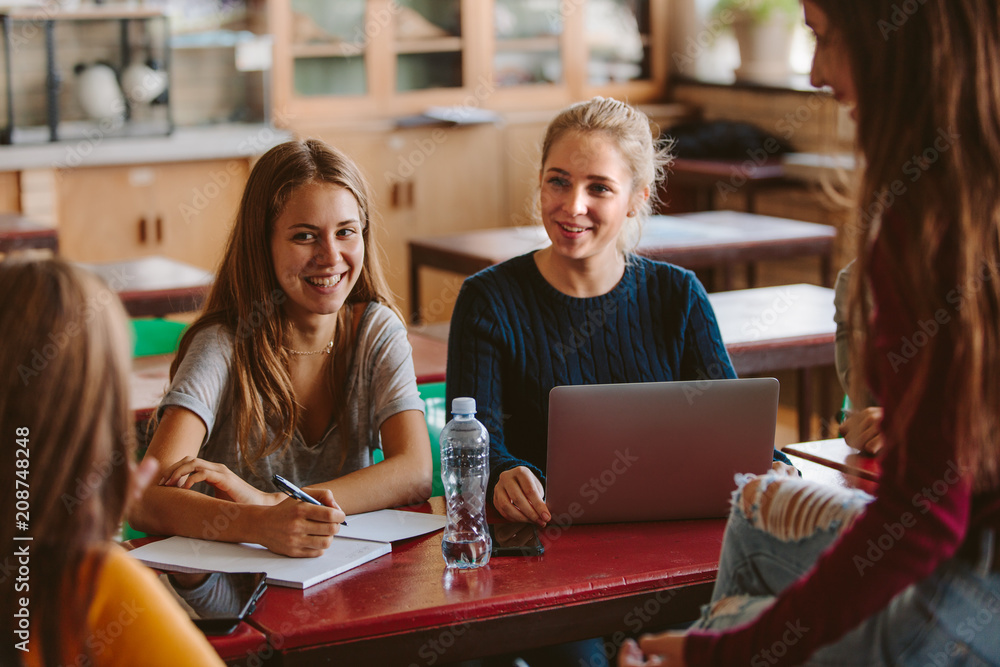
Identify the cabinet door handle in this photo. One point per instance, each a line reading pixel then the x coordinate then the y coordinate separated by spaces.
pixel 159 229
pixel 402 194
pixel 142 230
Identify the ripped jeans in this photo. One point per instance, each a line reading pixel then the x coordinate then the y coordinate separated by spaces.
pixel 777 529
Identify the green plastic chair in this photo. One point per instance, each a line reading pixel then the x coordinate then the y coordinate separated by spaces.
pixel 436 417
pixel 152 336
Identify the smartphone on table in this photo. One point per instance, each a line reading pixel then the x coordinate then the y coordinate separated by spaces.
pixel 516 539
pixel 216 601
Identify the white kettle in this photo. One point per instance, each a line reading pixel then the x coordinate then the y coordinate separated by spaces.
pixel 143 84
pixel 98 91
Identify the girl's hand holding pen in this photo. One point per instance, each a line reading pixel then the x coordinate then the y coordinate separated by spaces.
pixel 300 529
pixel 290 489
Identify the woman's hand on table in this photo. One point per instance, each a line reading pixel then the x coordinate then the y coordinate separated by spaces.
pixel 299 529
pixel 519 497
pixel 663 649
pixel 862 430
pixel 228 485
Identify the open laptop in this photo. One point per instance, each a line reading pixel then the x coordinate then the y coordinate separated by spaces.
pixel 655 450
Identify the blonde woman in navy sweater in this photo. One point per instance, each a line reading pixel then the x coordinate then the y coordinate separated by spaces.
pixel 584 310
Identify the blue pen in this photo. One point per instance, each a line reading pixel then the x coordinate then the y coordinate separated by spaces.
pixel 295 492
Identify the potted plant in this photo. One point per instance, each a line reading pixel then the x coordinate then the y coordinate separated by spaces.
pixel 763 30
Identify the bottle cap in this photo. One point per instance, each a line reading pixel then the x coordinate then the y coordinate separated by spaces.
pixel 463 406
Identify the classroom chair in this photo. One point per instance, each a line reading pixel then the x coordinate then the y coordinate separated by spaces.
pixel 436 417
pixel 152 336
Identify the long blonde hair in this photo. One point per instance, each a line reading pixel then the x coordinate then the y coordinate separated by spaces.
pixel 632 132
pixel 69 437
pixel 928 87
pixel 246 297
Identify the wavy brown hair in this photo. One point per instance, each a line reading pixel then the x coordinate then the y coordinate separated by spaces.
pixel 922 77
pixel 246 297
pixel 65 358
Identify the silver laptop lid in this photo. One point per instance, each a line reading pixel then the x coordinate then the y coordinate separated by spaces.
pixel 655 450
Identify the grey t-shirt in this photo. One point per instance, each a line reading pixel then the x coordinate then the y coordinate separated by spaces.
pixel 380 383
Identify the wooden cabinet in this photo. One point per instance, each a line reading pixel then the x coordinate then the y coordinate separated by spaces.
pixel 10 192
pixel 386 58
pixel 180 210
pixel 426 182
pixel 353 72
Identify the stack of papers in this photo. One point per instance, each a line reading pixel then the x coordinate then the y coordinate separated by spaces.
pixel 366 538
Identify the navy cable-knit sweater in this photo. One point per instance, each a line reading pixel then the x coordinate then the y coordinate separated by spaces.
pixel 514 337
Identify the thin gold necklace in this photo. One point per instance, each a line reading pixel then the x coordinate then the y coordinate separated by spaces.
pixel 328 349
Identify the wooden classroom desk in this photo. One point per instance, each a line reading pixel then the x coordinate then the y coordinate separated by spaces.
pixel 596 580
pixel 155 286
pixel 20 233
pixel 780 328
pixel 245 646
pixel 150 376
pixel 694 241
pixel 407 608
pixel 705 177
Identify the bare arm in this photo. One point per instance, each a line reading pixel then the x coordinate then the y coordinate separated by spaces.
pixel 289 527
pixel 403 478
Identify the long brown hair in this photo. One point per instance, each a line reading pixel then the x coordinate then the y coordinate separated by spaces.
pixel 246 298
pixel 928 87
pixel 69 437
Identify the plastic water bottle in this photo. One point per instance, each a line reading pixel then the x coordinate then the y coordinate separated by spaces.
pixel 465 471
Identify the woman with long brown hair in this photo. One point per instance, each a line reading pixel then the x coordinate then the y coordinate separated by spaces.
pixel 68 594
pixel 913 576
pixel 298 365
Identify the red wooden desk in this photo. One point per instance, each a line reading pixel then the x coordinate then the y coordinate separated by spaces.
pixel 694 241
pixel 20 233
pixel 245 646
pixel 779 328
pixel 150 376
pixel 406 608
pixel 597 580
pixel 155 286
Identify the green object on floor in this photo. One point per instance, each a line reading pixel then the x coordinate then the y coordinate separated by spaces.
pixel 153 336
pixel 436 417
pixel 130 533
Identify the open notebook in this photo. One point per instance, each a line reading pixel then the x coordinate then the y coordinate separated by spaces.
pixel 366 538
